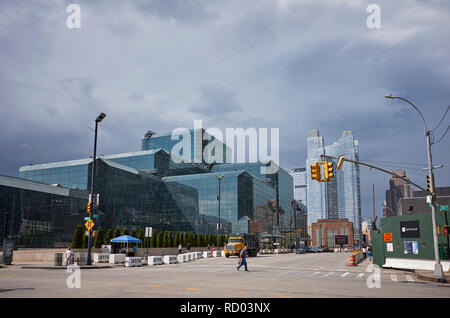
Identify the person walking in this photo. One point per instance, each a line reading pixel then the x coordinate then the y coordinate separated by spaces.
pixel 364 252
pixel 180 248
pixel 369 253
pixel 188 247
pixel 69 257
pixel 243 258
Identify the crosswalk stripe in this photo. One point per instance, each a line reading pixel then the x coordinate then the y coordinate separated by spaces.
pixel 409 278
pixel 345 274
pixel 360 275
pixel 315 273
pixel 394 278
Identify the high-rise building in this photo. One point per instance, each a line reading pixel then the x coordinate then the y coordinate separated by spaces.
pixel 299 177
pixel 340 198
pixel 398 189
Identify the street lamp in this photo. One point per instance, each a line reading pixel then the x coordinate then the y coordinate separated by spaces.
pixel 218 225
pixel 91 199
pixel 438 266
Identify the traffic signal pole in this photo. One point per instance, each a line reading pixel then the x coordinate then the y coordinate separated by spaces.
pixel 438 272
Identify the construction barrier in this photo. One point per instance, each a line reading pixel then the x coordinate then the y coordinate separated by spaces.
pixel 180 258
pixel 207 254
pixel 352 261
pixel 101 258
pixel 217 254
pixel 170 259
pixel 116 258
pixel 154 260
pixel 222 253
pixel 133 261
pixel 198 254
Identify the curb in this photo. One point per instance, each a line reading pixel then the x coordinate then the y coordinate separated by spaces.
pixel 433 279
pixel 65 267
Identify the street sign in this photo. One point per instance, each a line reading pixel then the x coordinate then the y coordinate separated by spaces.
pixel 95 216
pixel 89 224
pixel 443 207
pixel 148 232
pixel 341 239
pixel 86 218
pixel 387 237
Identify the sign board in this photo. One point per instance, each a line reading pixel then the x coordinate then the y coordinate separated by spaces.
pixel 390 247
pixel 341 239
pixel 409 229
pixel 86 218
pixel 89 224
pixel 443 207
pixel 387 237
pixel 411 247
pixel 148 232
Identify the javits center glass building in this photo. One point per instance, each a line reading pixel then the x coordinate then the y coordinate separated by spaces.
pixel 149 188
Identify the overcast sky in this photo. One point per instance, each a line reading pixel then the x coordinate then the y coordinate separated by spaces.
pixel 287 64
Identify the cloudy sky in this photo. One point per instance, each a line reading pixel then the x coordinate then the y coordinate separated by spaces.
pixel 289 64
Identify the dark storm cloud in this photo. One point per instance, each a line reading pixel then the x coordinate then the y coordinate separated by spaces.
pixel 287 64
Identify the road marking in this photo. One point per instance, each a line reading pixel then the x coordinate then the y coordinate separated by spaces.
pixel 360 275
pixel 409 278
pixel 394 278
pixel 321 267
pixel 329 274
pixel 345 274
pixel 315 273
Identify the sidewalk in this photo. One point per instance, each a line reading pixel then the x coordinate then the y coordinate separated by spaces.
pixel 429 276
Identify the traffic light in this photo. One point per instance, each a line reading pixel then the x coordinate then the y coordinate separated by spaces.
pixel 89 208
pixel 428 183
pixel 328 170
pixel 443 230
pixel 315 172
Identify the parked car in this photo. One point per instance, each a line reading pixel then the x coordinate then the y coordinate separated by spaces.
pixel 300 250
pixel 320 249
pixel 313 249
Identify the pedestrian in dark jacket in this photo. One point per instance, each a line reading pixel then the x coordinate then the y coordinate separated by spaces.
pixel 243 258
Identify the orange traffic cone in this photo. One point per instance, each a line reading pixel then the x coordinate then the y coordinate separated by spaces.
pixel 352 261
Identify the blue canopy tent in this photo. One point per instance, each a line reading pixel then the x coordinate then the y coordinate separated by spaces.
pixel 126 239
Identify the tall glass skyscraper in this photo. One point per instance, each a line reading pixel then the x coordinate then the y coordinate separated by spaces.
pixel 299 176
pixel 341 197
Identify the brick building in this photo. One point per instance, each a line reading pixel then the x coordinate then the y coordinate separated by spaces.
pixel 323 232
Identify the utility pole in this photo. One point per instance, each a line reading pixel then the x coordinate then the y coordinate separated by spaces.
pixel 438 272
pixel 218 225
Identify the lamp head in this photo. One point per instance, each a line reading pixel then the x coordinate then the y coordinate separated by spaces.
pixel 100 117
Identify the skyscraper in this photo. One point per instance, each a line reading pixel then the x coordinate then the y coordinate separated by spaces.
pixel 340 197
pixel 299 176
pixel 398 188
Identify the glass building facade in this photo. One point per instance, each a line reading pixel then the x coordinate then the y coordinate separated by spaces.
pixel 39 215
pixel 299 178
pixel 341 197
pixel 196 139
pixel 152 187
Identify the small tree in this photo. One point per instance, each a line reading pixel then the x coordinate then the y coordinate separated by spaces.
pixel 177 240
pixel 116 232
pixel 109 236
pixel 159 239
pixel 170 240
pixel 141 235
pixel 99 237
pixel 153 240
pixel 165 239
pixel 85 241
pixel 77 241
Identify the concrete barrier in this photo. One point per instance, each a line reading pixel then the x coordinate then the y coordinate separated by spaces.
pixel 154 260
pixel 170 259
pixel 116 258
pixel 217 254
pixel 133 261
pixel 198 254
pixel 101 258
pixel 181 258
pixel 222 253
pixel 207 254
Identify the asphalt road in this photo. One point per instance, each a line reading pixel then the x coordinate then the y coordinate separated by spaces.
pixel 271 276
